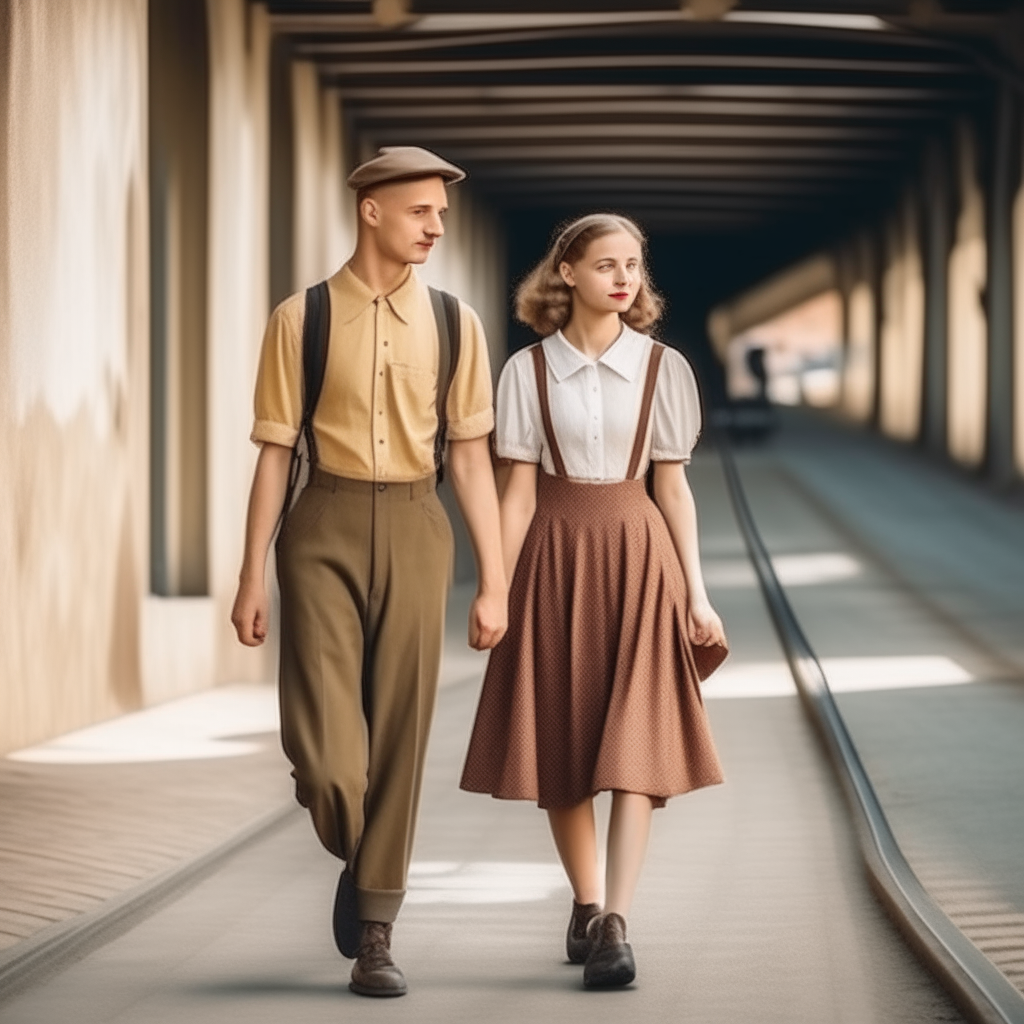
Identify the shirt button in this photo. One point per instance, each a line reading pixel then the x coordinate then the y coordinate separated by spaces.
pixel 382 487
pixel 385 344
pixel 381 441
pixel 595 391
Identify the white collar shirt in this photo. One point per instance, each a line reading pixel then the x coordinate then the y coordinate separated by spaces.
pixel 595 405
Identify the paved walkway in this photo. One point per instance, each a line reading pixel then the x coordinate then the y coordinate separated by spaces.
pixel 92 814
pixel 754 905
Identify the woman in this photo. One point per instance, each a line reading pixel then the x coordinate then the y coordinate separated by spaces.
pixel 596 684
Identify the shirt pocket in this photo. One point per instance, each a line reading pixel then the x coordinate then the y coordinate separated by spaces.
pixel 411 405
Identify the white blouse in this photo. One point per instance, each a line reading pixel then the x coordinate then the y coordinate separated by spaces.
pixel 595 405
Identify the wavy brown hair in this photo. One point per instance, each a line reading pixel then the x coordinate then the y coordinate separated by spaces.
pixel 544 300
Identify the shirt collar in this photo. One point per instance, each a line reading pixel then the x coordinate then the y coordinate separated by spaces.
pixel 352 295
pixel 623 356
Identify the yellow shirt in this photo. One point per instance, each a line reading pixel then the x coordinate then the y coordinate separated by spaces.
pixel 376 417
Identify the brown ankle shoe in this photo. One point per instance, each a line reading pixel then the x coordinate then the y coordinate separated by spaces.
pixel 374 973
pixel 610 962
pixel 577 944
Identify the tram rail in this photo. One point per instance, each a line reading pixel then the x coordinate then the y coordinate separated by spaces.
pixel 983 992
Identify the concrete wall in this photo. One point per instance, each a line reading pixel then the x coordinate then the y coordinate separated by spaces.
pixel 74 362
pixel 141 196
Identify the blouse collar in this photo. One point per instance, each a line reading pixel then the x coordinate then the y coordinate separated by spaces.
pixel 624 356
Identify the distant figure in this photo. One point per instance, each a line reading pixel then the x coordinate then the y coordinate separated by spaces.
pixel 596 684
pixel 364 557
pixel 757 365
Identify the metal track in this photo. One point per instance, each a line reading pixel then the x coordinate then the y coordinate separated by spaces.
pixel 980 989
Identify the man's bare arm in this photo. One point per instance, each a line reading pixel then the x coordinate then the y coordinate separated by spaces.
pixel 472 479
pixel 251 613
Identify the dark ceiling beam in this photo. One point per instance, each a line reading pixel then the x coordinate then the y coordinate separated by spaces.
pixel 340 43
pixel 633 61
pixel 666 110
pixel 760 92
pixel 741 169
pixel 670 129
pixel 667 153
pixel 632 179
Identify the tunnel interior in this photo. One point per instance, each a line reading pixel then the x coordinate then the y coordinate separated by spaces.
pixel 741 138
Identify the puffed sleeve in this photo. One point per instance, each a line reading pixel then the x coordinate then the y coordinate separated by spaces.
pixel 677 415
pixel 470 399
pixel 278 399
pixel 517 434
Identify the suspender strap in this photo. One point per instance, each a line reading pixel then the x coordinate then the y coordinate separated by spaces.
pixel 449 339
pixel 645 409
pixel 540 369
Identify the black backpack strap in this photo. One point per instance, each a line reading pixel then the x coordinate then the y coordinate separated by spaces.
pixel 449 338
pixel 316 333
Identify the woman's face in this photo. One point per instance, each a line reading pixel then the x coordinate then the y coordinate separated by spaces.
pixel 607 276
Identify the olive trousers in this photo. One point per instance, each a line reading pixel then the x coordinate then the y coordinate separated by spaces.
pixel 364 570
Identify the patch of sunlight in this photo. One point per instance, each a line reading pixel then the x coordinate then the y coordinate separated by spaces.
pixel 792 570
pixel 849 675
pixel 483 882
pixel 844 675
pixel 202 725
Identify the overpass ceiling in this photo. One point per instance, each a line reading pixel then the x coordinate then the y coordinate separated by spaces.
pixel 721 126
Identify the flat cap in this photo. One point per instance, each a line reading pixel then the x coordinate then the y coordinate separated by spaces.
pixel 392 163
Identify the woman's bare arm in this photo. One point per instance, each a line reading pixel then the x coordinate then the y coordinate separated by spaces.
pixel 673 496
pixel 251 613
pixel 518 504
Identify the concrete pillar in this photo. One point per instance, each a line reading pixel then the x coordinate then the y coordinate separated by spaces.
pixel 239 278
pixel 179 180
pixel 967 337
pixel 1003 180
pixel 936 221
pixel 1018 321
pixel 324 212
pixel 859 371
pixel 282 173
pixel 902 338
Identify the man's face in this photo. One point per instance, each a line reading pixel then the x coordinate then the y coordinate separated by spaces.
pixel 407 217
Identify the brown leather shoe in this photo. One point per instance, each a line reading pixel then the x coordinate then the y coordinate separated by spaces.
pixel 374 973
pixel 610 962
pixel 577 944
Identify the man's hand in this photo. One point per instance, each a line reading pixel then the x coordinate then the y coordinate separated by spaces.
pixel 488 620
pixel 251 614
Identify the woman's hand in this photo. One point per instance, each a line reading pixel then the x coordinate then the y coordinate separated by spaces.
pixel 704 625
pixel 488 620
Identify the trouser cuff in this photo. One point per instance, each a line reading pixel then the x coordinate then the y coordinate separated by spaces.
pixel 379 904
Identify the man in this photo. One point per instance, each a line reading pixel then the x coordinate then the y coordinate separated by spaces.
pixel 364 557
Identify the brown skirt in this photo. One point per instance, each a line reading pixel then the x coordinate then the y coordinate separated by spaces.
pixel 595 686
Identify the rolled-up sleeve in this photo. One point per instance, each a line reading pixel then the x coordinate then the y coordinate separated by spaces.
pixel 677 413
pixel 278 399
pixel 517 413
pixel 471 397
